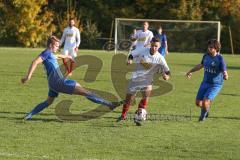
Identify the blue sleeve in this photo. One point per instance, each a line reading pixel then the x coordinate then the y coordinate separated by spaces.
pixel 44 55
pixel 165 37
pixel 223 66
pixel 203 58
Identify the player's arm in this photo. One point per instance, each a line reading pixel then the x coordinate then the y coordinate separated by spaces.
pixel 133 54
pixel 78 39
pixel 194 69
pixel 63 37
pixel 60 56
pixel 31 69
pixel 165 37
pixel 133 37
pixel 225 75
pixel 165 70
pixel 224 69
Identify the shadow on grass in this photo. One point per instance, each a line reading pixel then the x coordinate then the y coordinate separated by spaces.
pixel 230 94
pixel 100 111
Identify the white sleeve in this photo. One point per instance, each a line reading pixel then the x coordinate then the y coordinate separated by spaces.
pixel 63 37
pixel 78 38
pixel 136 35
pixel 163 66
pixel 136 52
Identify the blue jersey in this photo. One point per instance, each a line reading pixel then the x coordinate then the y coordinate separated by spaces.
pixel 51 65
pixel 56 81
pixel 213 69
pixel 163 39
pixel 162 49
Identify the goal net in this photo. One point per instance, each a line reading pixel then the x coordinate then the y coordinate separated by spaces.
pixel 182 35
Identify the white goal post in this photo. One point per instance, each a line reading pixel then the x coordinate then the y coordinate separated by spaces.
pixel 182 35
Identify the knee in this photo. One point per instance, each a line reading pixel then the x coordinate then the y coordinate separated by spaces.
pixel 206 103
pixel 50 101
pixel 199 103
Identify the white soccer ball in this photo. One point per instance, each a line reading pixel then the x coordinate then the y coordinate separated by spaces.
pixel 141 114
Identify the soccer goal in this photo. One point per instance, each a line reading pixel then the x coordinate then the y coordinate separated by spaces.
pixel 185 36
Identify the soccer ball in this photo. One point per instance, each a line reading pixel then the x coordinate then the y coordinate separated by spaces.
pixel 140 114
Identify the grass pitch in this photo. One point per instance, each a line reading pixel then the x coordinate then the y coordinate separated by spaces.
pixel 172 132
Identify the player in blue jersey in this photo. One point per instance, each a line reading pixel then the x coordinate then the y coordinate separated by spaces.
pixel 215 72
pixel 56 81
pixel 163 50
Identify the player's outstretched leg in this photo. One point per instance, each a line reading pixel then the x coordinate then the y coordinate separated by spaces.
pixel 79 90
pixel 39 108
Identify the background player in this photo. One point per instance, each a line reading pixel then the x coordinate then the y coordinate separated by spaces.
pixel 56 82
pixel 71 39
pixel 214 73
pixel 143 36
pixel 163 50
pixel 149 62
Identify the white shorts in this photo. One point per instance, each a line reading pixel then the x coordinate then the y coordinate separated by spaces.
pixel 70 51
pixel 134 87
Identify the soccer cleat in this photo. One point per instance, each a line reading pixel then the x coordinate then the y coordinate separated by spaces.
pixel 207 115
pixel 121 118
pixel 116 104
pixel 201 119
pixel 28 116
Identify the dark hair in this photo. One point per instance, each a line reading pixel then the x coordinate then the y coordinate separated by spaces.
pixel 146 22
pixel 51 40
pixel 155 39
pixel 214 43
pixel 71 19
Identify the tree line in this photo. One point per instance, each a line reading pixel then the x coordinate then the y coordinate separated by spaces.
pixel 29 22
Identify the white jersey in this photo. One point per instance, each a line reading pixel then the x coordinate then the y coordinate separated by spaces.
pixel 71 37
pixel 143 38
pixel 147 65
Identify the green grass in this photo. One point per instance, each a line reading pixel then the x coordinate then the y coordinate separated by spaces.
pixel 98 136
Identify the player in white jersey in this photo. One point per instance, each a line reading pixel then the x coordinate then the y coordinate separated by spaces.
pixel 148 62
pixel 143 36
pixel 71 39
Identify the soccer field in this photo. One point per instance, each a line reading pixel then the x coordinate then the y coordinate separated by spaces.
pixel 75 128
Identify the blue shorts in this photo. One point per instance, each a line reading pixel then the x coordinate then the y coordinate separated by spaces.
pixel 52 93
pixel 62 85
pixel 208 91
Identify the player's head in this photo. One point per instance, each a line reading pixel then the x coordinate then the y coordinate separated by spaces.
pixel 53 43
pixel 71 22
pixel 155 44
pixel 159 29
pixel 213 46
pixel 145 25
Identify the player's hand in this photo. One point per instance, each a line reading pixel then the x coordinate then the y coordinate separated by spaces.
pixel 165 77
pixel 70 58
pixel 225 76
pixel 129 61
pixel 189 74
pixel 76 49
pixel 24 79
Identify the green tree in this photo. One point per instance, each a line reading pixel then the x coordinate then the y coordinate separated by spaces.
pixel 28 21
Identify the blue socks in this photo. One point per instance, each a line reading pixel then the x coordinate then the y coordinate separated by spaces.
pixel 96 99
pixel 36 110
pixel 203 114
